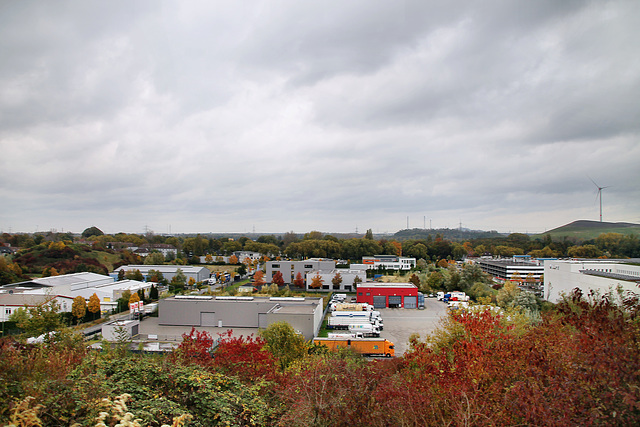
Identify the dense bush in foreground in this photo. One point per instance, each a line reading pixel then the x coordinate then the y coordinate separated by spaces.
pixel 579 365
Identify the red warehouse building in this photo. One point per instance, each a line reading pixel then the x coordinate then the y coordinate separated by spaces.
pixel 392 295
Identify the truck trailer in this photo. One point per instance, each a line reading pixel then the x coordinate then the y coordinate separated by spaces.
pixel 350 306
pixel 371 315
pixel 364 346
pixel 345 322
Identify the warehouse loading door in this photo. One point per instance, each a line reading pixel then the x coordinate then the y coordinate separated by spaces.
pixel 410 302
pixel 208 319
pixel 395 301
pixel 379 301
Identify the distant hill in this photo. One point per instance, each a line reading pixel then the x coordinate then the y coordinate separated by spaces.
pixel 455 235
pixel 587 230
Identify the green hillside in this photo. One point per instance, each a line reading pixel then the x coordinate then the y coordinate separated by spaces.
pixel 587 230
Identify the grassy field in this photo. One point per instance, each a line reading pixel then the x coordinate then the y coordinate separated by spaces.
pixel 588 230
pixel 105 258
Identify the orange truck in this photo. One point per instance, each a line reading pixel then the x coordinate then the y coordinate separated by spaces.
pixel 364 346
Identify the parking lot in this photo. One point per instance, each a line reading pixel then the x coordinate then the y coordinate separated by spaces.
pixel 399 323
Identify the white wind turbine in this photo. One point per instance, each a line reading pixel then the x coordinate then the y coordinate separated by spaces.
pixel 599 195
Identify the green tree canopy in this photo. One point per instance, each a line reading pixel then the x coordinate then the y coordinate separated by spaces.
pixel 284 343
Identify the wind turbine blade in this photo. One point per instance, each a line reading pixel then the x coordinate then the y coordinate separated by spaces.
pixel 594 183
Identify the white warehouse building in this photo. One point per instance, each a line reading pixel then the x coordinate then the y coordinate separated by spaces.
pixel 601 275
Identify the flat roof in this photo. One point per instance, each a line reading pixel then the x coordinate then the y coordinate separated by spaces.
pixel 161 268
pixel 509 263
pixel 618 276
pixel 293 309
pixel 27 299
pixel 386 285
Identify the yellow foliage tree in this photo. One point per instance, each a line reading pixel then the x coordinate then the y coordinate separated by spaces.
pixel 94 304
pixel 134 298
pixel 79 308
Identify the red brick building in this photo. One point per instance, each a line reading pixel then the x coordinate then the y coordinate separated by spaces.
pixel 392 295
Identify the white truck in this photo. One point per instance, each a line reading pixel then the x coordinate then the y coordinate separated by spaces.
pixel 367 331
pixel 349 335
pixel 346 322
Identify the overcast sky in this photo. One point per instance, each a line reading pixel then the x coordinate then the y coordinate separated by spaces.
pixel 275 116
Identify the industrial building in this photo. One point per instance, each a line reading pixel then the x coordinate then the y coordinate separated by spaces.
pixel 290 269
pixel 392 295
pixel 110 292
pixel 303 314
pixel 517 269
pixel 120 330
pixel 168 271
pixel 347 285
pixel 79 284
pixel 10 303
pixel 388 262
pixel 600 275
pixel 64 284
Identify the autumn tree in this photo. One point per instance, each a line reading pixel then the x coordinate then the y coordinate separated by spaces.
pixel 316 281
pixel 153 293
pixel 134 298
pixel 94 305
pixel 278 279
pixel 178 280
pixel 134 275
pixel 258 278
pixel 233 259
pixel 79 308
pixel 192 282
pixel 356 281
pixel 154 258
pixel 284 343
pixel 299 281
pixel 337 281
pixel 415 280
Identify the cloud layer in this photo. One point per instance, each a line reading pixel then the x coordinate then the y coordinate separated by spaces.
pixel 276 116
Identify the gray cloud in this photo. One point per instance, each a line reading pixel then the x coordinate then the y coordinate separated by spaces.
pixel 212 116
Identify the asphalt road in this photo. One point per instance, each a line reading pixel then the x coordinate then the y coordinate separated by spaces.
pixel 399 323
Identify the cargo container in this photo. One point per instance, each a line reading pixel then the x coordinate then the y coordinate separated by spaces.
pixel 364 346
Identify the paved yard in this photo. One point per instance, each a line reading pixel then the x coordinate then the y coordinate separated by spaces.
pixel 399 323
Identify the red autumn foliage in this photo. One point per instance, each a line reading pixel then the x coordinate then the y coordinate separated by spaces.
pixel 278 279
pixel 244 357
pixel 196 348
pixel 581 367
